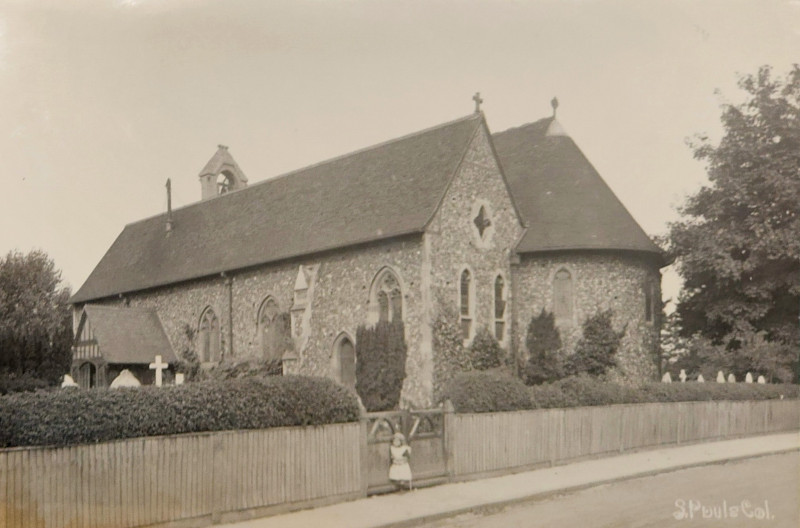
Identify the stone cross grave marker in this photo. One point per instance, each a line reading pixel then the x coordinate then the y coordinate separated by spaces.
pixel 682 376
pixel 158 366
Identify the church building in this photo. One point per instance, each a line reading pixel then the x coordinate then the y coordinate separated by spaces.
pixel 497 226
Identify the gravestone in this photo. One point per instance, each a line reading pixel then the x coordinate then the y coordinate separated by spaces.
pixel 179 378
pixel 159 367
pixel 748 378
pixel 666 378
pixel 125 379
pixel 701 379
pixel 720 377
pixel 68 382
pixel 762 380
pixel 682 376
pixel 731 378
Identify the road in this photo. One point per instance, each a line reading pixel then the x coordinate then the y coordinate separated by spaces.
pixel 761 491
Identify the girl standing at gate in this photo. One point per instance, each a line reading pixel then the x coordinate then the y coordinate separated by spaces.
pixel 400 470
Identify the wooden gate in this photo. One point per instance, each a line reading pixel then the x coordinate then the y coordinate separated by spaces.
pixel 425 432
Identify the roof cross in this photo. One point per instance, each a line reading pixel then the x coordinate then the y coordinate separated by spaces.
pixel 478 101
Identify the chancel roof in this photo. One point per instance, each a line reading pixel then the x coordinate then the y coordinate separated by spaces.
pixel 388 190
pixel 129 335
pixel 564 202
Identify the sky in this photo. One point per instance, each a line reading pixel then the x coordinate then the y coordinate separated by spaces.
pixel 102 101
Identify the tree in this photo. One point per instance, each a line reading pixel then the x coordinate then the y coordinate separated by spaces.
pixel 485 352
pixel 35 322
pixel 738 247
pixel 543 342
pixel 596 350
pixel 380 364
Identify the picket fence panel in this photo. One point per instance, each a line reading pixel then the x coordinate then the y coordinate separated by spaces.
pixel 496 442
pixel 157 480
pixel 194 477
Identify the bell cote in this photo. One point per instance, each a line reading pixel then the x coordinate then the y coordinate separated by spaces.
pixel 221 175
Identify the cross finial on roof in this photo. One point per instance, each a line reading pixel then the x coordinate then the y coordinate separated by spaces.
pixel 223 147
pixel 478 101
pixel 554 104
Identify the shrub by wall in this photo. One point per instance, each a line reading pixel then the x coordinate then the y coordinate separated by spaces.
pixel 485 352
pixel 487 391
pixel 380 364
pixel 74 416
pixel 543 342
pixel 449 356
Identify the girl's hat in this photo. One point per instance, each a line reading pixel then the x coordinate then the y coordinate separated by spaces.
pixel 401 436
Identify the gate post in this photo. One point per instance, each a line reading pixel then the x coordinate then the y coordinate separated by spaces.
pixel 448 420
pixel 363 448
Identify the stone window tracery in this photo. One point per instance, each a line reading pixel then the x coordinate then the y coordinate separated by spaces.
pixel 499 308
pixel 389 297
pixel 208 336
pixel 271 330
pixel 466 304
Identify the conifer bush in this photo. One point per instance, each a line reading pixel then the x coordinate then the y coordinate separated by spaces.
pixel 543 342
pixel 380 364
pixel 596 351
pixel 484 351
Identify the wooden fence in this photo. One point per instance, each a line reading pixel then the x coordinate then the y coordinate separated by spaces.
pixel 195 478
pixel 198 479
pixel 490 443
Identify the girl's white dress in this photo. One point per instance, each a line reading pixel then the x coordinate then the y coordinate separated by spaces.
pixel 400 470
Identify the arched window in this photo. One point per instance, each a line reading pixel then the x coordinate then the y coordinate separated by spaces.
pixel 387 296
pixel 466 304
pixel 563 296
pixel 87 375
pixel 499 308
pixel 209 336
pixel 649 304
pixel 272 336
pixel 344 361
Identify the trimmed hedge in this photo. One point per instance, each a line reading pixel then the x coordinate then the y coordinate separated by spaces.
pixel 477 392
pixel 487 391
pixel 580 391
pixel 68 417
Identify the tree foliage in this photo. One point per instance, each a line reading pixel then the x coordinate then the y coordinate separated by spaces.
pixel 485 352
pixel 35 321
pixel 380 364
pixel 738 246
pixel 543 342
pixel 596 350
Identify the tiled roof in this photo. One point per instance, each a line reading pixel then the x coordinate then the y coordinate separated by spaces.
pixel 564 201
pixel 383 191
pixel 129 335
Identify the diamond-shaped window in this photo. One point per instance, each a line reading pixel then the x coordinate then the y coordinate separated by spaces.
pixel 482 221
